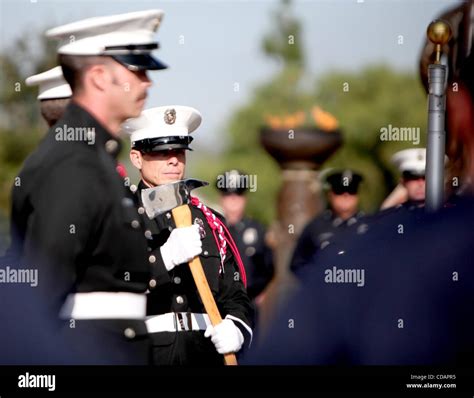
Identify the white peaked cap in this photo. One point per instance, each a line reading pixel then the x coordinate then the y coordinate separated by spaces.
pixel 412 160
pixel 93 36
pixel 163 121
pixel 51 84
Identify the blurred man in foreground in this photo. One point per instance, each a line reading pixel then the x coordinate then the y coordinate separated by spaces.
pixel 72 218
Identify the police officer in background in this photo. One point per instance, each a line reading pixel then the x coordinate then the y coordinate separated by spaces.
pixel 249 234
pixel 54 93
pixel 343 212
pixel 179 328
pixel 410 193
pixel 72 217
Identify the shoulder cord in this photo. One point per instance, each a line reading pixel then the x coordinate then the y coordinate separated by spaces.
pixel 121 170
pixel 222 237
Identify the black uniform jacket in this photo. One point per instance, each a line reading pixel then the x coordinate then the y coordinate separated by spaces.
pixel 249 236
pixel 73 218
pixel 175 291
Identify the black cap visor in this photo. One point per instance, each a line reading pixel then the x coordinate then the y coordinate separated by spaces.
pixel 340 184
pixel 136 62
pixel 340 189
pixel 160 144
pixel 413 175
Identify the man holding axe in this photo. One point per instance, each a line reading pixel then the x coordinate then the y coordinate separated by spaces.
pixel 196 313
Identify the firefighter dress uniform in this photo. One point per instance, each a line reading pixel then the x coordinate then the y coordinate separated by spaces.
pixel 74 219
pixel 176 318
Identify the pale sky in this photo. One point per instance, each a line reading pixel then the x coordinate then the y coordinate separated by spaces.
pixel 222 41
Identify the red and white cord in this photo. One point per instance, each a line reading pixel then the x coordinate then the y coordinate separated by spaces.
pixel 222 237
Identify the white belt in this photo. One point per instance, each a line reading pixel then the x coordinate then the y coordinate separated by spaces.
pixel 177 321
pixel 104 305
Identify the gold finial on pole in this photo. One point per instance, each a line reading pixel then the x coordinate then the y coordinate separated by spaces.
pixel 439 32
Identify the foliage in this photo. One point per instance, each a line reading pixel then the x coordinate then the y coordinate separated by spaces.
pixel 373 98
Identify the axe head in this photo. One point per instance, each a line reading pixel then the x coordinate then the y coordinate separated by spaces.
pixel 163 198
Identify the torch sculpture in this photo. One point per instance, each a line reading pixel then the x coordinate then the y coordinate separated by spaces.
pixel 300 150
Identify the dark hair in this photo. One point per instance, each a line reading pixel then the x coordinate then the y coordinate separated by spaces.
pixel 74 67
pixel 53 109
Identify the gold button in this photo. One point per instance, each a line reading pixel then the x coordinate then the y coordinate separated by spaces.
pixel 111 146
pixel 129 333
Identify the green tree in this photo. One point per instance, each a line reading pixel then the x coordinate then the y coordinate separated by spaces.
pixel 283 94
pixel 374 97
pixel 283 42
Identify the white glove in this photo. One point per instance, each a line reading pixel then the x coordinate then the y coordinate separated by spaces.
pixel 226 336
pixel 182 246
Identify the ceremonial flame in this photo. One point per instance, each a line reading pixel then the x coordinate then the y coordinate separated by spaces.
pixel 322 119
